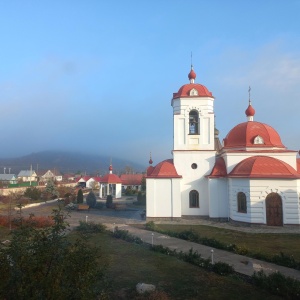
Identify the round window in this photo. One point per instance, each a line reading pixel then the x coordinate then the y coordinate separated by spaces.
pixel 194 166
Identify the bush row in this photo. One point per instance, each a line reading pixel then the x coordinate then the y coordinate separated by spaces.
pixel 34 221
pixel 190 235
pixel 277 284
pixel 194 258
pixel 126 236
pixel 90 227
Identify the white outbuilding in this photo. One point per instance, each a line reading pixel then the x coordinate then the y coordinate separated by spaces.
pixel 110 184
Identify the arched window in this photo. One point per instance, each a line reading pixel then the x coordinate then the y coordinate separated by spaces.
pixel 242 202
pixel 193 122
pixel 194 199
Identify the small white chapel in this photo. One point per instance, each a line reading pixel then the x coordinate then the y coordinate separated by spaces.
pixel 250 177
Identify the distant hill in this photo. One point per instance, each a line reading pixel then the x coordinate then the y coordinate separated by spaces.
pixel 67 162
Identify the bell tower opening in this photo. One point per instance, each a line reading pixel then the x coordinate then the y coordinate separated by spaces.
pixel 193 122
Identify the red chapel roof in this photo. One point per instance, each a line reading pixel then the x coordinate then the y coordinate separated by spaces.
pixel 111 178
pixel 164 169
pixel 263 167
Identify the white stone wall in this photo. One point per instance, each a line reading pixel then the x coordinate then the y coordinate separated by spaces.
pixel 163 198
pixel 218 198
pixel 194 179
pixel 256 191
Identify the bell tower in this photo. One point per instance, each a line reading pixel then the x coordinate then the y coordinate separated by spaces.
pixel 194 147
pixel 193 117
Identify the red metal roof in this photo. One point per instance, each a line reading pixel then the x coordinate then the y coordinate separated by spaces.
pixel 131 179
pixel 111 178
pixel 184 91
pixel 263 167
pixel 219 169
pixel 298 165
pixel 243 135
pixel 164 169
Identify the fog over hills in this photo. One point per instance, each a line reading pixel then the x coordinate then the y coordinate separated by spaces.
pixel 67 162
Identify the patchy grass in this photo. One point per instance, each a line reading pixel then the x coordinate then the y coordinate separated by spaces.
pixel 129 264
pixel 268 244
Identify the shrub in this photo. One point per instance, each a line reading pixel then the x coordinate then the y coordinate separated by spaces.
pixel 79 198
pixel 109 201
pixel 222 268
pixel 278 284
pixel 90 227
pixel 286 260
pixel 44 264
pixel 150 226
pixel 194 258
pixel 91 199
pixel 126 236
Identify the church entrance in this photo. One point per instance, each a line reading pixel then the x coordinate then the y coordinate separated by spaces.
pixel 274 210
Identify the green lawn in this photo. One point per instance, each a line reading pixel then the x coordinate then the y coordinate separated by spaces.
pixel 129 264
pixel 265 243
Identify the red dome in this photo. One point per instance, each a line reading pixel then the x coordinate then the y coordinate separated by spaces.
pixel 164 169
pixel 185 90
pixel 244 134
pixel 250 111
pixel 263 167
pixel 192 75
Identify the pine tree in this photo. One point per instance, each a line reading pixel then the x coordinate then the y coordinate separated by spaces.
pixel 91 199
pixel 79 196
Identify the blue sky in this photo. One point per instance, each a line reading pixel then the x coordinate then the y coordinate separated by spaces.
pixel 98 76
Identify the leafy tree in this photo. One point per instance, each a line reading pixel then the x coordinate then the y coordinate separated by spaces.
pixel 79 196
pixel 33 193
pixel 45 264
pixel 91 199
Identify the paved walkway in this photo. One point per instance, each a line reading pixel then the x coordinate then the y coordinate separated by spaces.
pixel 123 219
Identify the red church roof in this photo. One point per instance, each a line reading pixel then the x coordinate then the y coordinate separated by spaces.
pixel 184 91
pixel 219 169
pixel 244 134
pixel 263 167
pixel 164 169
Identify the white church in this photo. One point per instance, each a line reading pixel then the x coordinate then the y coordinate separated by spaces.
pixel 251 177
